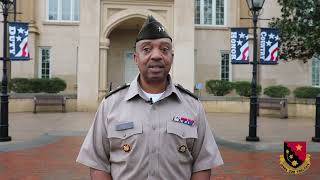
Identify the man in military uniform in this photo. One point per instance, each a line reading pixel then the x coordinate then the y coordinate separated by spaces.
pixel 150 129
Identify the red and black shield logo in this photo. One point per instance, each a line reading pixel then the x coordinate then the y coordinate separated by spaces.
pixel 295 153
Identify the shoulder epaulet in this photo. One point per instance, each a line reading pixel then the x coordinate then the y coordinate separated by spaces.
pixel 117 89
pixel 186 91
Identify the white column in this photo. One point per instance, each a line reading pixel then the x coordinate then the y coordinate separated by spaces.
pixel 184 65
pixel 27 69
pixel 103 86
pixel 88 64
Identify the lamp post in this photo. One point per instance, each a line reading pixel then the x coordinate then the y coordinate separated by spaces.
pixel 316 138
pixel 4 126
pixel 255 6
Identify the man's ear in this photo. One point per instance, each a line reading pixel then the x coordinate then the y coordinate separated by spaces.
pixel 135 58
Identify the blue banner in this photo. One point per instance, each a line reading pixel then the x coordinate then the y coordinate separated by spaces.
pixel 239 51
pixel 269 46
pixel 18 41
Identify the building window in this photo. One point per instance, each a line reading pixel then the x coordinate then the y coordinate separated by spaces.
pixel 44 63
pixel 130 68
pixel 210 12
pixel 225 68
pixel 316 72
pixel 63 10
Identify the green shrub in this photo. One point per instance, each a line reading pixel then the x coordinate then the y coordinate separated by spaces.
pixel 243 88
pixel 38 85
pixel 55 85
pixel 218 87
pixel 306 92
pixel 24 85
pixel 20 85
pixel 276 91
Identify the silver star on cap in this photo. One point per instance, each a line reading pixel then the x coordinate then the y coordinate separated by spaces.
pixel 161 29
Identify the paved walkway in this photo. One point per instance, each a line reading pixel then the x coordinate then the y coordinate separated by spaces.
pixel 45 145
pixel 232 129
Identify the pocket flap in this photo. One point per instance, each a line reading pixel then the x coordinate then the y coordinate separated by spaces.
pixel 182 130
pixel 114 132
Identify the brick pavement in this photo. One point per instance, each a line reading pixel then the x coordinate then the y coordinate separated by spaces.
pixel 45 146
pixel 56 161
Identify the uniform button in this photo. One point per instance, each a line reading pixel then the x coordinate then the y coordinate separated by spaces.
pixel 153 127
pixel 182 149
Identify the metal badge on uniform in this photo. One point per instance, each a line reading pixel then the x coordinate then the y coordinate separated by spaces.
pixel 124 126
pixel 183 120
pixel 126 148
pixel 182 149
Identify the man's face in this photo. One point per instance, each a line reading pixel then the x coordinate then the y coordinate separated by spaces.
pixel 154 59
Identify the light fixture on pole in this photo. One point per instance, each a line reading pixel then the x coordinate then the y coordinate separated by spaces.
pixel 255 6
pixel 4 125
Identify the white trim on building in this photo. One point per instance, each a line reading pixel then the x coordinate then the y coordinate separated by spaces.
pixel 315 72
pixel 44 59
pixel 213 13
pixel 222 68
pixel 73 11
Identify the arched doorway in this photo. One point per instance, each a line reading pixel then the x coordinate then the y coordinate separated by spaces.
pixel 98 27
pixel 117 39
pixel 121 67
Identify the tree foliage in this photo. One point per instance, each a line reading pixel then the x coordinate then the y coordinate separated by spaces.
pixel 299 29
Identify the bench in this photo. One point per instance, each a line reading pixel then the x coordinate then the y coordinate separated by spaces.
pixel 49 100
pixel 280 104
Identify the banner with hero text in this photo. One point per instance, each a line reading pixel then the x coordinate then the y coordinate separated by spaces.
pixel 269 46
pixel 239 51
pixel 18 41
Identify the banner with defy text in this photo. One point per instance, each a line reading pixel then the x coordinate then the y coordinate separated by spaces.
pixel 269 46
pixel 239 51
pixel 18 41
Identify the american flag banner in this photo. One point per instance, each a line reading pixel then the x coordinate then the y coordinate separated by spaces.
pixel 239 51
pixel 18 41
pixel 269 46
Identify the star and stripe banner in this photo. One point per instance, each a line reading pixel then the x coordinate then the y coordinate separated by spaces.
pixel 269 46
pixel 18 41
pixel 239 46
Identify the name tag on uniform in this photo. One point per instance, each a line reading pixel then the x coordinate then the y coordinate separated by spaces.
pixel 124 126
pixel 183 120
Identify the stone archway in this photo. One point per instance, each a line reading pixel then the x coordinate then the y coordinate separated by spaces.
pixel 111 25
pixel 100 17
pixel 121 16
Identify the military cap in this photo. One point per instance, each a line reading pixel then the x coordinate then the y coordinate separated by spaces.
pixel 152 29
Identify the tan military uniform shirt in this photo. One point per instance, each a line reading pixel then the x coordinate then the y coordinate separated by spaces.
pixel 134 139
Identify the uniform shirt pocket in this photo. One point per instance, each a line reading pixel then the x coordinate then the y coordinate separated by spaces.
pixel 123 143
pixel 181 138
